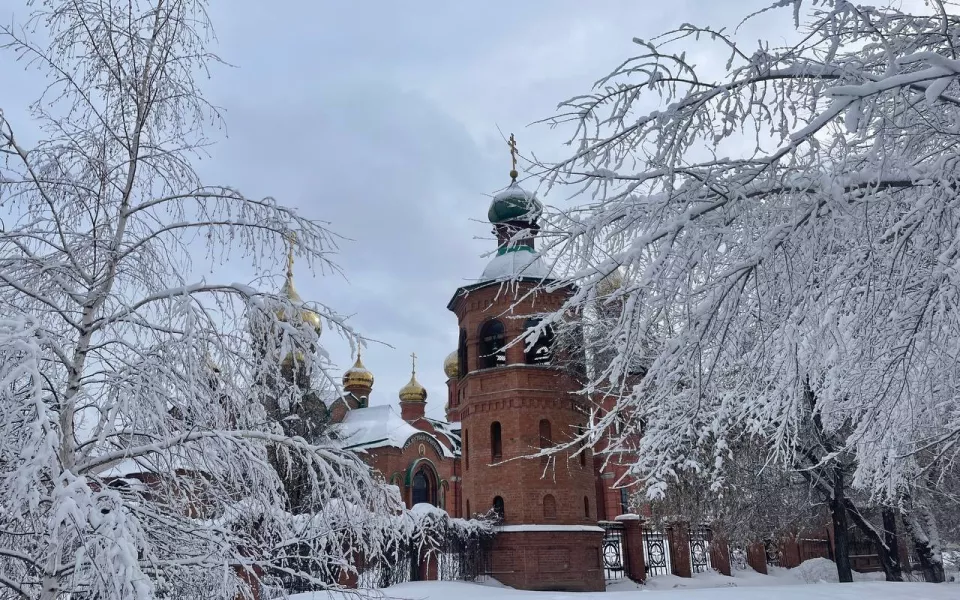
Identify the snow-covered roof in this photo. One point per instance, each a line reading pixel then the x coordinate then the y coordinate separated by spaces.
pixel 377 427
pixel 517 261
pixel 451 431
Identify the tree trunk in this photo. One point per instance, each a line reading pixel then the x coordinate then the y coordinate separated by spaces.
pixel 890 555
pixel 887 550
pixel 841 533
pixel 923 531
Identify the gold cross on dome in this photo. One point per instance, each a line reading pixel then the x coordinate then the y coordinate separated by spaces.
pixel 512 142
pixel 413 359
pixel 291 240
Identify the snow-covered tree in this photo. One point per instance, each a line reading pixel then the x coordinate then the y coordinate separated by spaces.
pixel 144 419
pixel 786 226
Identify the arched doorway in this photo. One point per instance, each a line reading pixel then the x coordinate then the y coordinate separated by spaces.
pixel 424 486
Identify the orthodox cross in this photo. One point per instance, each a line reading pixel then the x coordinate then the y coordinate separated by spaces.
pixel 512 142
pixel 413 359
pixel 291 240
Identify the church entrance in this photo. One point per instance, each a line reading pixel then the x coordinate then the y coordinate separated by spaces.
pixel 424 486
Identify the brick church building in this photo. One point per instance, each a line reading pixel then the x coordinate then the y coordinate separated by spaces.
pixel 505 400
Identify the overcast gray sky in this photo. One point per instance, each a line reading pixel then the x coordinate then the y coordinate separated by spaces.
pixel 382 118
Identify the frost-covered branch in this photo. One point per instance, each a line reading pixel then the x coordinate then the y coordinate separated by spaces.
pixel 782 228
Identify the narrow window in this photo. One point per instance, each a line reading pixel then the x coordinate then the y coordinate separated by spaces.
pixel 496 443
pixel 546 435
pixel 549 507
pixel 498 509
pixel 492 352
pixel 586 507
pixel 462 354
pixel 541 352
pixel 468 510
pixel 624 501
pixel 580 446
pixel 466 450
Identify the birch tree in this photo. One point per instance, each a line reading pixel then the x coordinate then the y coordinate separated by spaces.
pixel 136 455
pixel 787 230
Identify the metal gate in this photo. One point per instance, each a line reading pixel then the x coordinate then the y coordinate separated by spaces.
pixel 699 549
pixel 656 550
pixel 612 550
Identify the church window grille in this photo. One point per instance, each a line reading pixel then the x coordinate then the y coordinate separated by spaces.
pixel 498 509
pixel 492 352
pixel 541 352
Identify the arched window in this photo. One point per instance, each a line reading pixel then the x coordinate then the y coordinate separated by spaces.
pixel 541 352
pixel 580 447
pixel 546 435
pixel 466 450
pixel 492 352
pixel 586 507
pixel 624 501
pixel 424 487
pixel 496 442
pixel 549 507
pixel 498 509
pixel 462 354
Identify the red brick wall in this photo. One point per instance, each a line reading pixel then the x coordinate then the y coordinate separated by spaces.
pixel 519 396
pixel 543 560
pixel 392 463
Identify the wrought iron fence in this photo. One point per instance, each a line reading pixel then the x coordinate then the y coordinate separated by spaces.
pixel 656 550
pixel 612 550
pixel 699 549
pixel 738 558
pixel 466 559
pixel 772 550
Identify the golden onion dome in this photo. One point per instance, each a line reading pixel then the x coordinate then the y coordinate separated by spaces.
pixel 610 284
pixel 306 315
pixel 357 376
pixel 293 357
pixel 413 391
pixel 451 365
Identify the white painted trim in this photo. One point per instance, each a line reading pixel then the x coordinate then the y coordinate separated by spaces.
pixel 518 528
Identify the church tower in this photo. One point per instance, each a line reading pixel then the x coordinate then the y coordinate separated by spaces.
pixel 512 401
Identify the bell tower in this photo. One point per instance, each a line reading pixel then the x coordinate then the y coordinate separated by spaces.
pixel 513 400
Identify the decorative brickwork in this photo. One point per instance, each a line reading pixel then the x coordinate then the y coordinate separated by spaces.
pixel 514 410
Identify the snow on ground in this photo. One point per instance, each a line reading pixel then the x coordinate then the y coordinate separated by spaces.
pixel 872 590
pixel 818 570
pixel 814 579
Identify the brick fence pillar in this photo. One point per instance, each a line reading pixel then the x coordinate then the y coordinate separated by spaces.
pixel 789 553
pixel 251 580
pixel 720 555
pixel 757 557
pixel 634 561
pixel 427 566
pixel 678 535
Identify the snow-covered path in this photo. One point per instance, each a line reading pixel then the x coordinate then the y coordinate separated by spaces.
pixel 442 590
pixel 714 587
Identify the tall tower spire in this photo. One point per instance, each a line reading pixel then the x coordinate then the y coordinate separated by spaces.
pixel 512 142
pixel 306 315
